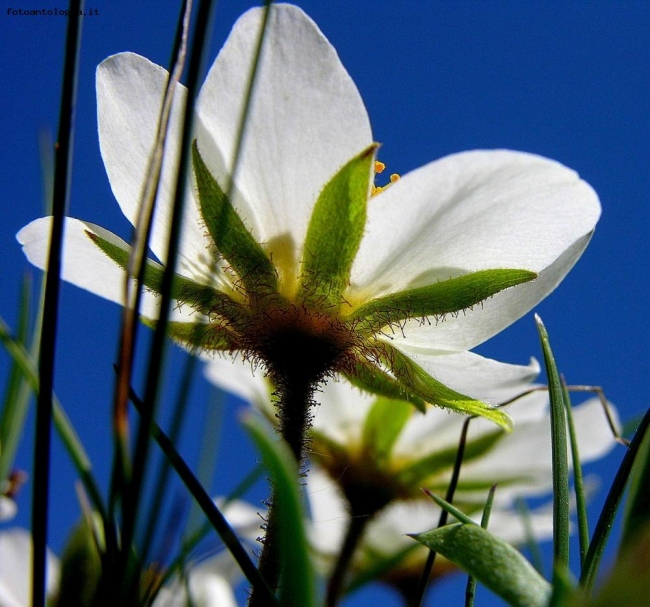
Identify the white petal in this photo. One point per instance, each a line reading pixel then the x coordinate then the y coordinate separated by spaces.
pixel 473 211
pixel 306 121
pixel 237 377
pixel 341 412
pixel 86 265
pixel 329 515
pixel 130 90
pixel 15 568
pixel 8 508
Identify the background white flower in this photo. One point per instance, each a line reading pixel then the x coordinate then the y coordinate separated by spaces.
pixel 16 569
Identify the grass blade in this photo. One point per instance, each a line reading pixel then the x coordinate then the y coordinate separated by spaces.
pixel 561 506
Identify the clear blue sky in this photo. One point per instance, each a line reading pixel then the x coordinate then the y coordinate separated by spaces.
pixel 567 80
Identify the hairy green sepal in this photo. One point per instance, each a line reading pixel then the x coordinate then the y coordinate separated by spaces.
pixel 418 381
pixel 202 298
pixel 335 231
pixel 230 235
pixel 491 561
pixel 436 300
pixel 371 379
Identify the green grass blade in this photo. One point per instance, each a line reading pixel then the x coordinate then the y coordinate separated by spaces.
pixel 470 590
pixel 17 392
pixel 561 507
pixel 62 424
pixel 211 511
pixel 610 508
pixel 637 512
pixel 578 483
pixel 297 584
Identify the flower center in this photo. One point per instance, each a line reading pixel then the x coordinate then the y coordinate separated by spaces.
pixel 295 342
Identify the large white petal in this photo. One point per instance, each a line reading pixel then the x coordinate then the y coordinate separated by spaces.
pixel 306 121
pixel 130 91
pixel 86 265
pixel 473 211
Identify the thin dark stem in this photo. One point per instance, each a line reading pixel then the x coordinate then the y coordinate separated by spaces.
pixel 353 536
pixel 60 195
pixel 442 521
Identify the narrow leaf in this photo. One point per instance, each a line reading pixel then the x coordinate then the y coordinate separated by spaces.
pixel 493 562
pixel 297 585
pixel 230 235
pixel 561 533
pixel 436 300
pixel 637 513
pixel 418 381
pixel 335 231
pixel 610 508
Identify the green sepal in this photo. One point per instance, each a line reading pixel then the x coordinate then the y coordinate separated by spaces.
pixel 230 235
pixel 200 297
pixel 559 455
pixel 383 425
pixel 199 336
pixel 436 300
pixel 418 381
pixel 335 231
pixel 493 562
pixel 368 377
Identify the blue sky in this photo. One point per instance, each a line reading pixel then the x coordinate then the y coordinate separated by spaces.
pixel 567 80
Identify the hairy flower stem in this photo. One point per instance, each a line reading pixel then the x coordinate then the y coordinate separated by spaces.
pixel 353 536
pixel 294 399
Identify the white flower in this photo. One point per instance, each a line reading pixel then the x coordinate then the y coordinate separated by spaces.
pixel 372 466
pixel 16 569
pixel 298 268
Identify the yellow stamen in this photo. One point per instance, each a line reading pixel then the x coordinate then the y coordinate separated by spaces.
pixel 379 168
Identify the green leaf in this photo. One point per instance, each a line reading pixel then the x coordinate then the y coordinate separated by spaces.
pixel 493 562
pixel 445 297
pixel 419 382
pixel 383 425
pixel 202 298
pixel 335 231
pixel 230 235
pixel 368 377
pixel 297 578
pixel 561 507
